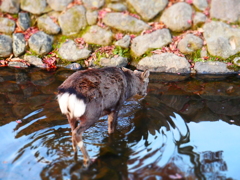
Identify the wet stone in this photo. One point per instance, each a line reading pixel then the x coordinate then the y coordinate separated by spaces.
pixel 211 67
pixel 5 46
pixel 35 61
pixel 165 62
pixel 21 77
pixel 7 26
pixel 74 66
pixel 17 64
pixel 24 20
pixel 9 87
pixel 42 78
pixel 19 44
pixel 41 43
pixel 21 110
pixel 10 6
pixel 38 100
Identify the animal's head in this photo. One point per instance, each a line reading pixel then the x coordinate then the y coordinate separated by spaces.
pixel 143 84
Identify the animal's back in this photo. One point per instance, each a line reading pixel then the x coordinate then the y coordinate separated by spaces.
pixel 103 86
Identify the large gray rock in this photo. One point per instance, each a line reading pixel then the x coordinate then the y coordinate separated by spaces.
pixel 200 4
pixel 10 6
pixel 114 62
pixel 212 67
pixel 156 39
pixel 58 5
pixel 35 61
pixel 24 21
pixel 124 22
pixel 34 7
pixel 19 44
pixel 225 10
pixel 46 24
pixel 165 62
pixel 190 43
pixel 40 43
pixel 7 26
pixel 17 64
pixel 73 20
pixel 148 9
pixel 222 40
pixel 93 4
pixel 177 17
pixel 69 51
pixel 98 35
pixel 5 46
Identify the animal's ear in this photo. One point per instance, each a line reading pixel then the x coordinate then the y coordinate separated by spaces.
pixel 145 74
pixel 124 69
pixel 137 73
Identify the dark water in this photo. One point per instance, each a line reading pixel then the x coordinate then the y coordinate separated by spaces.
pixel 186 128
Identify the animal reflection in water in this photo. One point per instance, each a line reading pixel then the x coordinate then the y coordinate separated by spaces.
pixel 87 95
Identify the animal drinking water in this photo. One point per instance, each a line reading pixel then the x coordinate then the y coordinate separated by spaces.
pixel 87 95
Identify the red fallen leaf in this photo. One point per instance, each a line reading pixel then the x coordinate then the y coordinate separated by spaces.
pixel 189 1
pixel 131 14
pixel 18 121
pixel 119 36
pixel 3 63
pixel 80 43
pixel 29 32
pixel 50 62
pixel 189 21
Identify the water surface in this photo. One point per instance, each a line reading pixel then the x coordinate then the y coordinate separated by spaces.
pixel 186 128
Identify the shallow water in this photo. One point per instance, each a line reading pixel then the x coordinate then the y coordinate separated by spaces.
pixel 185 128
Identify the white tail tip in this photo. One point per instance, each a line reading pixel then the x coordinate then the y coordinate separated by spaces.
pixel 70 104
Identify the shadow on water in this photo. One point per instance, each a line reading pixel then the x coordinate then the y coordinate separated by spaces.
pixel 186 128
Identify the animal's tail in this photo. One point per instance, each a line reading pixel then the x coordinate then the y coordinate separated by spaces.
pixel 70 104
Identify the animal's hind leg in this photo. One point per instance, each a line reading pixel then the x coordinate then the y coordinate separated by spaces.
pixel 77 136
pixel 73 124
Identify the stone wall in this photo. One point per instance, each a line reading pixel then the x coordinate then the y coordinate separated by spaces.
pixel 174 36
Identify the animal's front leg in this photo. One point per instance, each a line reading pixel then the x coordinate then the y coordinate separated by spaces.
pixel 112 121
